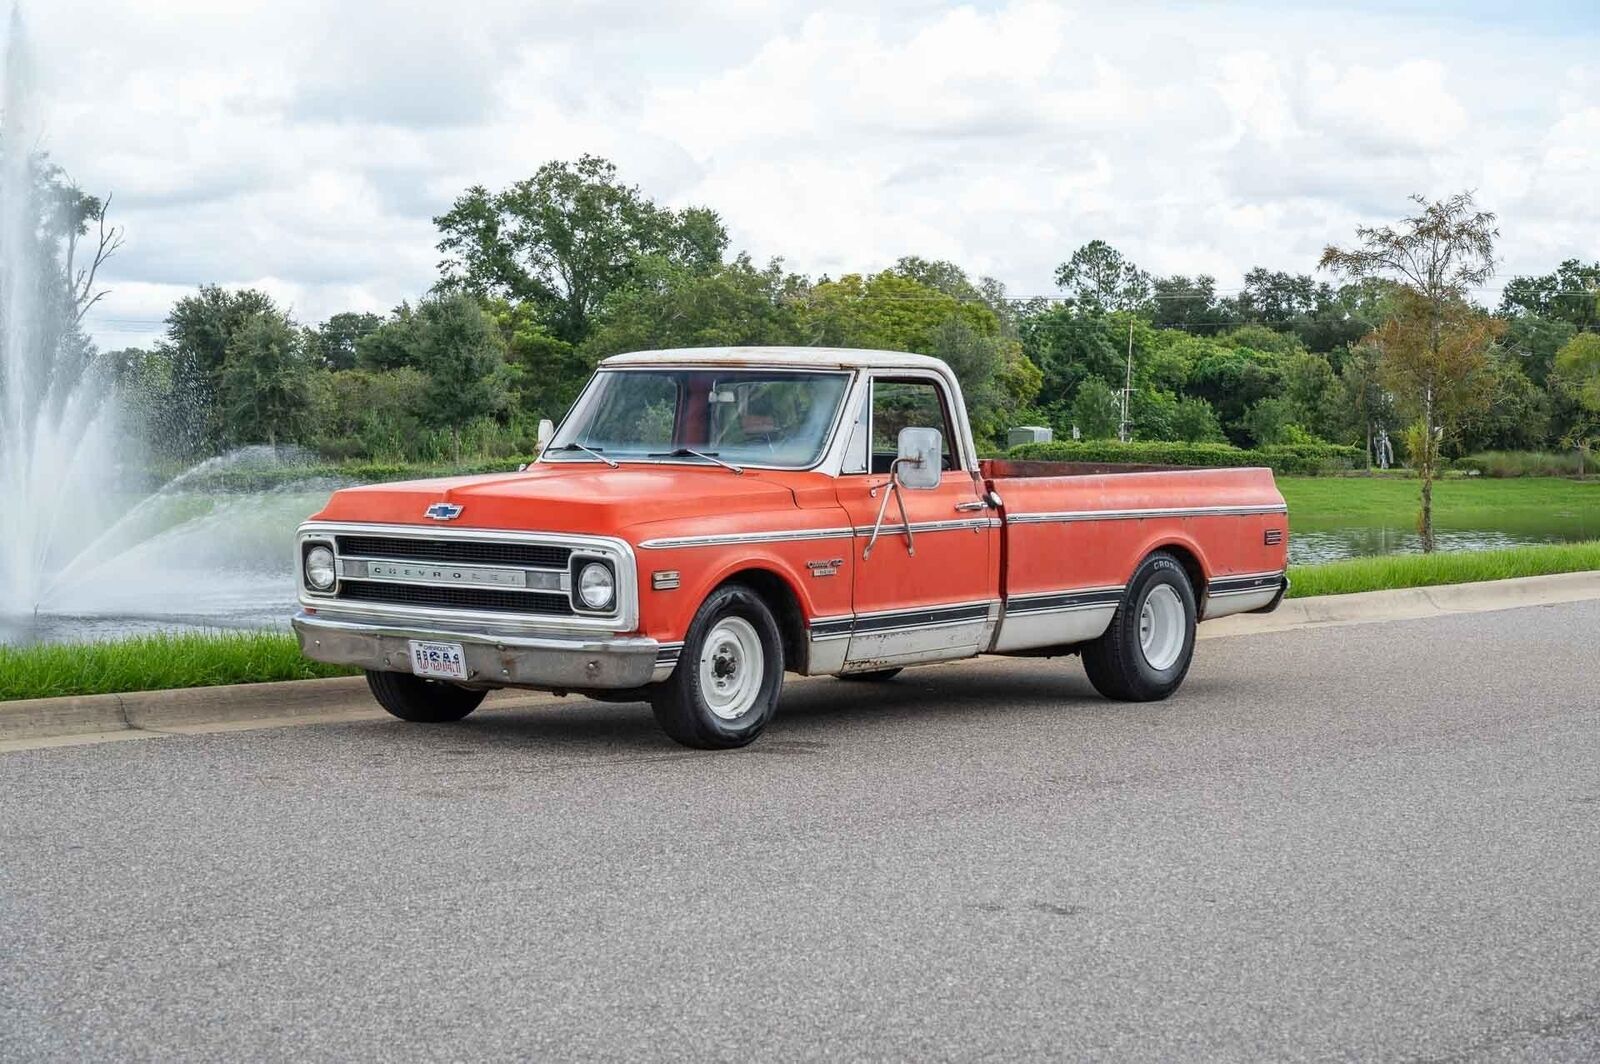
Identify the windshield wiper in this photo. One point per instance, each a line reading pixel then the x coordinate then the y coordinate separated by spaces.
pixel 690 452
pixel 576 446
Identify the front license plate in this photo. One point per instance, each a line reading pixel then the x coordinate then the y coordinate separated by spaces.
pixel 441 661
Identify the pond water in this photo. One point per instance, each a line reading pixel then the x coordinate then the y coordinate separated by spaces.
pixel 193 560
pixel 1313 541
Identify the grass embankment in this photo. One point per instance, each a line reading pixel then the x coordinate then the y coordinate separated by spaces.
pixel 1389 571
pixel 155 662
pixel 1322 501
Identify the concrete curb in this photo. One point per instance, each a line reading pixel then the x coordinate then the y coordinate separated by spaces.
pixel 346 698
pixel 1412 603
pixel 205 708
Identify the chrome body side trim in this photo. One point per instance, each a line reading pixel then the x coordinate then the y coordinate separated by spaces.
pixel 1056 618
pixel 1243 593
pixel 954 525
pixel 734 538
pixel 550 662
pixel 804 534
pixel 1064 516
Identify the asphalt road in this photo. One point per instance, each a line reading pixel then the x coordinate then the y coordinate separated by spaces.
pixel 1378 842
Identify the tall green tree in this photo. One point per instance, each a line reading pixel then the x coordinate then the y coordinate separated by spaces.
pixel 1434 345
pixel 1098 278
pixel 336 342
pixel 1578 362
pixel 1096 410
pixel 461 355
pixel 736 304
pixel 566 238
pixel 1070 347
pixel 1182 302
pixel 997 380
pixel 201 328
pixel 1571 294
pixel 264 395
pixel 1578 365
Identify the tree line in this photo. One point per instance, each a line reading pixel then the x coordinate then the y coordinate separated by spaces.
pixel 540 280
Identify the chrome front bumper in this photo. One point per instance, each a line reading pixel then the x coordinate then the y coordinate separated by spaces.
pixel 557 662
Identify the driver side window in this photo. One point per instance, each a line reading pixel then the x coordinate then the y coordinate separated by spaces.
pixel 909 403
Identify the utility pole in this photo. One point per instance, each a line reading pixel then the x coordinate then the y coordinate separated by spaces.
pixel 1127 387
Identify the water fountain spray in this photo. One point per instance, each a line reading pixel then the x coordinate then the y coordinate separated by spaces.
pixel 58 437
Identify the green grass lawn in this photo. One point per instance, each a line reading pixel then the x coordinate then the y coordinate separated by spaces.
pixel 1426 570
pixel 1322 501
pixel 155 662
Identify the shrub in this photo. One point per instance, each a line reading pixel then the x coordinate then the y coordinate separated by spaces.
pixel 1521 463
pixel 1300 458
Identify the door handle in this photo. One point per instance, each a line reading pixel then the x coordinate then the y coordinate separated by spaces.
pixel 969 507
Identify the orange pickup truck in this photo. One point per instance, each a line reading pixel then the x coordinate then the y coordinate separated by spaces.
pixel 706 520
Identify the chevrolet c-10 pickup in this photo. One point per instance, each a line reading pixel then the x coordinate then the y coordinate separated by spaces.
pixel 706 520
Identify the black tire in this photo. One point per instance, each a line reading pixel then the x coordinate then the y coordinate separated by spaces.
pixel 680 704
pixel 875 676
pixel 422 701
pixel 1116 662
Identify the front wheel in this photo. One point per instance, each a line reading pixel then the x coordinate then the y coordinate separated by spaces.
pixel 1145 654
pixel 422 701
pixel 729 675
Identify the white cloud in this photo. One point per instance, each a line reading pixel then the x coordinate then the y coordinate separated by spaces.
pixel 305 146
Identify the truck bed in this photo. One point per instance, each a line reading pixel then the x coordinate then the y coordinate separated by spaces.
pixel 1085 526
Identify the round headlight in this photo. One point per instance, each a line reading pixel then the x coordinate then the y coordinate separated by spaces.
pixel 320 573
pixel 596 585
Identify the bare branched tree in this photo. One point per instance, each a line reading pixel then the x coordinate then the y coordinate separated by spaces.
pixel 1435 343
pixel 81 293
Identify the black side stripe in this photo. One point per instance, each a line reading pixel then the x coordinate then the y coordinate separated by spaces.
pixel 1240 584
pixel 1066 600
pixel 926 617
pixel 923 618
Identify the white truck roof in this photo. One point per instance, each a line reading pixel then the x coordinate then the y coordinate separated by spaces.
pixel 806 357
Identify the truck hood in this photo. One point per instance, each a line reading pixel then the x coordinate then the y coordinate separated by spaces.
pixel 577 497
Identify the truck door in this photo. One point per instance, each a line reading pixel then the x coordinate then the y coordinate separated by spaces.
pixel 929 595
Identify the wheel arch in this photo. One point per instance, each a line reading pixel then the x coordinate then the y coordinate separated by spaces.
pixel 782 598
pixel 1187 555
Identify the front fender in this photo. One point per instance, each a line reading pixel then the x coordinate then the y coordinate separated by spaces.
pixel 816 572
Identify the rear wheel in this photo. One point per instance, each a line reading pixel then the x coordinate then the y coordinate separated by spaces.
pixel 875 676
pixel 1145 653
pixel 422 701
pixel 729 675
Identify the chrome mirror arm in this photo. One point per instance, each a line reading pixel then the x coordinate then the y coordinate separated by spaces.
pixel 891 487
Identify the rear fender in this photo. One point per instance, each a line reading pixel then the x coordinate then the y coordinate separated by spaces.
pixel 1188 553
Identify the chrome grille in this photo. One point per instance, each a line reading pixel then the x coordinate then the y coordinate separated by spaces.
pixel 460 598
pixel 457 551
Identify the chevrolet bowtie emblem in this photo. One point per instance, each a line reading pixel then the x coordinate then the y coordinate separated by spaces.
pixel 443 511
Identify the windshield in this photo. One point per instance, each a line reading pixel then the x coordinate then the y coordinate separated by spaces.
pixel 737 416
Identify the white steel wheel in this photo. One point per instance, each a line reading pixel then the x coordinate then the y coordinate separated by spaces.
pixel 732 668
pixel 1163 626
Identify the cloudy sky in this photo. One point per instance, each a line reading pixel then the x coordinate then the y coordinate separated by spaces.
pixel 304 147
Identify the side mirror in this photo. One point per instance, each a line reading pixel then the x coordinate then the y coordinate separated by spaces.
pixel 918 466
pixel 547 431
